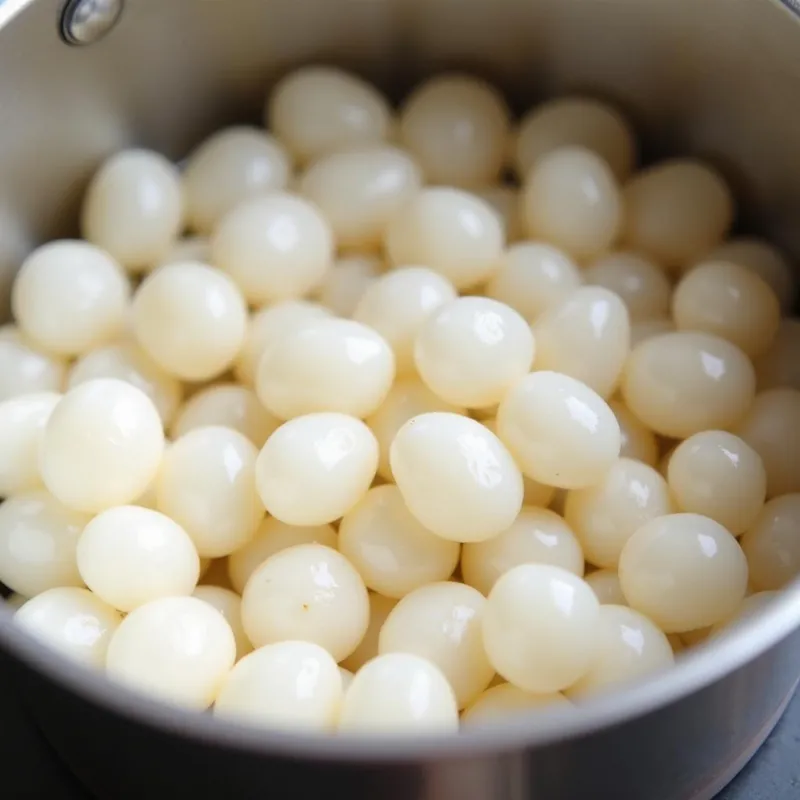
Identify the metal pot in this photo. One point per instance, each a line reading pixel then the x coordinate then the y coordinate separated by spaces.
pixel 718 77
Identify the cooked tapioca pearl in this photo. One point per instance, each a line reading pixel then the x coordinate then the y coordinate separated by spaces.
pixel 73 621
pixel 287 685
pixel 676 211
pixel 718 475
pixel 578 122
pixel 679 384
pixel 605 584
pixel 69 297
pixel 24 368
pixel 505 200
pixel 751 606
pixel 772 545
pixel 129 556
pixel 683 571
pixel 647 329
pixel 345 284
pixel 190 248
pixel 133 208
pixel 308 592
pixel 102 445
pixel 391 550
pixel 176 649
pixel 379 609
pixel 537 536
pixel 571 199
pixel 319 110
pixel 229 604
pixel 638 441
pixel 586 336
pixel 450 231
pixel 398 304
pixel 540 626
pixel 207 485
pixel 399 693
pixel 191 320
pixel 277 247
pixel 327 365
pixel 559 431
pixel 779 366
pixel 230 166
pixel 498 703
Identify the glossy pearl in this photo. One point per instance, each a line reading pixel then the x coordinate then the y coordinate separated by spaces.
pixel 346 283
pixel 190 248
pixel 779 366
pixel 771 543
pixel 24 368
pixel 638 441
pixel 379 609
pixel 606 586
pixel 229 605
pixel 499 703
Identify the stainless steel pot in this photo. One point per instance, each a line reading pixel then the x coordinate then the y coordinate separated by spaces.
pixel 717 77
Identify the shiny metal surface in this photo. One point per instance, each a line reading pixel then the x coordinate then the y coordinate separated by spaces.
pixel 87 21
pixel 719 78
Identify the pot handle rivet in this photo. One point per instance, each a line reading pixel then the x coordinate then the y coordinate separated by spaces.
pixel 87 21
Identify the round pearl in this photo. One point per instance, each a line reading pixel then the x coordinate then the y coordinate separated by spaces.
pixel 539 627
pixel 399 693
pixel 392 552
pixel 330 364
pixel 347 678
pixel 190 319
pixel 571 199
pixel 683 571
pixel 682 383
pixel 750 607
pixel 308 592
pixel 24 369
pixel 450 231
pixel 647 329
pixel 629 646
pixel 586 336
pixel 129 556
pixel 230 166
pixel 346 283
pixel 398 304
pixel 229 604
pixel 456 477
pixel 499 703
pixel 287 685
pixel 207 485
pixel 779 366
pixel 176 649
pixel 379 609
pixel 537 536
pixel 102 445
pixel 133 208
pixel 771 544
pixel 505 200
pixel 638 441
pixel 605 584
pixel 69 297
pixel 76 623
pixel 560 432
pixel 315 468
pixel 190 248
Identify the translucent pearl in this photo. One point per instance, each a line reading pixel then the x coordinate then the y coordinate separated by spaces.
pixel 399 693
pixel 676 211
pixel 604 516
pixel 533 277
pixel 586 336
pixel 308 592
pixel 379 609
pixel 560 432
pixel 69 297
pixel 229 604
pixel 177 649
pixel 771 544
pixel 129 556
pixel 571 199
pixel 450 231
pixel 498 703
pixel 24 369
pixel 288 685
pixel 647 329
pixel 190 319
pixel 230 166
pixel 629 646
pixel 133 208
pixel 718 475
pixel 190 248
pixel 682 383
pixel 638 441
pixel 102 445
pixel 330 364
pixel 392 552
pixel 540 627
pixel 76 623
pixel 456 477
pixel 537 536
pixel 683 571
pixel 779 366
pixel 505 200
pixel 750 607
pixel 606 586
pixel 315 468
pixel 343 286
pixel 207 485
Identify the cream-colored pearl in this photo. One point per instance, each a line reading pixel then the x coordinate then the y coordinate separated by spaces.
pixel 456 477
pixel 379 609
pixel 682 383
pixel 683 571
pixel 638 441
pixel 308 592
pixel 102 445
pixel 69 297
pixel 190 248
pixel 315 468
pixel 346 283
pixel 772 545
pixel 505 200
pixel 24 368
pixel 391 550
pixel 499 703
pixel 605 584
pixel 751 606
pixel 450 231
pixel 647 329
pixel 560 432
pixel 779 366
pixel 229 604
pixel 347 678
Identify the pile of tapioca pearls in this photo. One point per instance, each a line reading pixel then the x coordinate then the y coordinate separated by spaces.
pixel 447 415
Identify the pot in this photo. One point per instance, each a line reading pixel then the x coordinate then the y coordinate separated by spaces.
pixel 719 78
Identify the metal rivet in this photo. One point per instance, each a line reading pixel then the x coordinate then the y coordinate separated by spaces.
pixel 88 21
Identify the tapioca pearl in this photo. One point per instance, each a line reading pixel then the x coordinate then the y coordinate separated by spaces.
pixel 647 329
pixel 605 584
pixel 345 284
pixel 638 441
pixel 683 571
pixel 25 368
pixel 500 703
pixel 379 609
pixel 229 604
pixel 189 248
pixel 505 200
pixel 779 366
pixel 751 606
pixel 771 544
pixel 347 678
